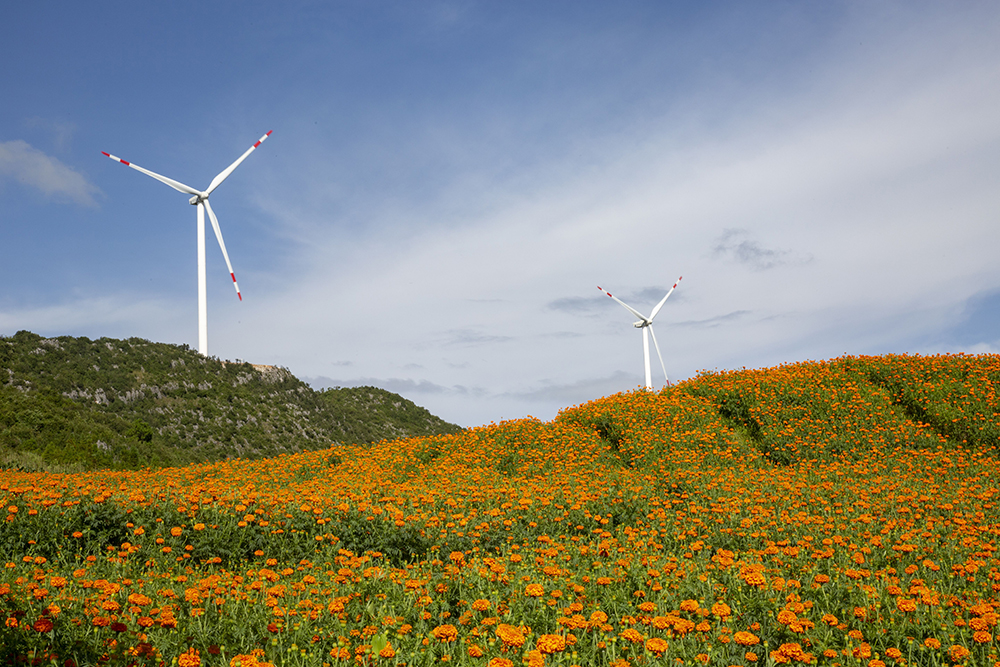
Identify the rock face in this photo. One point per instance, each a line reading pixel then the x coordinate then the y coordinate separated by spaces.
pixel 133 402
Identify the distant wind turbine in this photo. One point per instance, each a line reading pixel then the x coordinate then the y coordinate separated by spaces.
pixel 200 199
pixel 646 324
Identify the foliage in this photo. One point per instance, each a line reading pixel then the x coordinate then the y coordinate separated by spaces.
pixel 855 525
pixel 71 404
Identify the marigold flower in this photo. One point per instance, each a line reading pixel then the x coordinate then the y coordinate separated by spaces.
pixel 534 590
pixel 689 605
pixel 721 610
pixel 931 642
pixel 510 635
pixel 957 653
pixel 190 658
pixel 632 635
pixel 746 638
pixel 549 644
pixel 43 625
pixel 753 577
pixel 388 651
pixel 657 645
pixel 906 604
pixel 500 662
pixel 598 618
pixel 445 633
pixel 786 617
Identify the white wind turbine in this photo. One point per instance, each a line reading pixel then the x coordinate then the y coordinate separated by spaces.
pixel 200 200
pixel 646 324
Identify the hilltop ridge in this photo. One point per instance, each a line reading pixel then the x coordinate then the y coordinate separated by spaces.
pixel 85 403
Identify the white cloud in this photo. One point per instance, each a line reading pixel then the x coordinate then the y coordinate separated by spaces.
pixel 840 189
pixel 31 167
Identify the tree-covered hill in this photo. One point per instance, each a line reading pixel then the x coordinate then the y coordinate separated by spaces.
pixel 71 403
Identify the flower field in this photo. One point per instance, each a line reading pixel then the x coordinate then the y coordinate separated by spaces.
pixel 833 513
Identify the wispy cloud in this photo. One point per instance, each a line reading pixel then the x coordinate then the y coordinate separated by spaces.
pixel 576 392
pixel 469 337
pixel 737 245
pixel 713 321
pixel 577 305
pixel 29 166
pixel 400 386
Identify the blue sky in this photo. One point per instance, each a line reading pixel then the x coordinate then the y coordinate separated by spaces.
pixel 448 183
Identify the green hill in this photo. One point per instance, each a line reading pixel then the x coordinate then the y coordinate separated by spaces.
pixel 75 403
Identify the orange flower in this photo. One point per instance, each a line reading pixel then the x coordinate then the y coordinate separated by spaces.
pixel 445 633
pixel 632 635
pixel 190 658
pixel 957 653
pixel 721 610
pixel 549 644
pixel 510 635
pixel 657 645
pixel 534 590
pixel 43 625
pixel 746 638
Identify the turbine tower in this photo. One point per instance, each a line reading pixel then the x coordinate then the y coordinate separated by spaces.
pixel 199 199
pixel 646 324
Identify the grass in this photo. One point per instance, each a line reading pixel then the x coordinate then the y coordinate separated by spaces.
pixel 834 513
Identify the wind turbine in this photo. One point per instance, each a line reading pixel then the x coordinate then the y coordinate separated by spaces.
pixel 200 200
pixel 646 324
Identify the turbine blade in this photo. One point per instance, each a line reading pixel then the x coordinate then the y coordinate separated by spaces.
pixel 222 244
pixel 627 307
pixel 223 175
pixel 657 346
pixel 180 187
pixel 663 300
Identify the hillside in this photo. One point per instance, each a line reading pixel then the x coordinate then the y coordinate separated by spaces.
pixel 833 513
pixel 73 402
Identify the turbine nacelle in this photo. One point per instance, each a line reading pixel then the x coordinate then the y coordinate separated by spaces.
pixel 198 198
pixel 641 323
